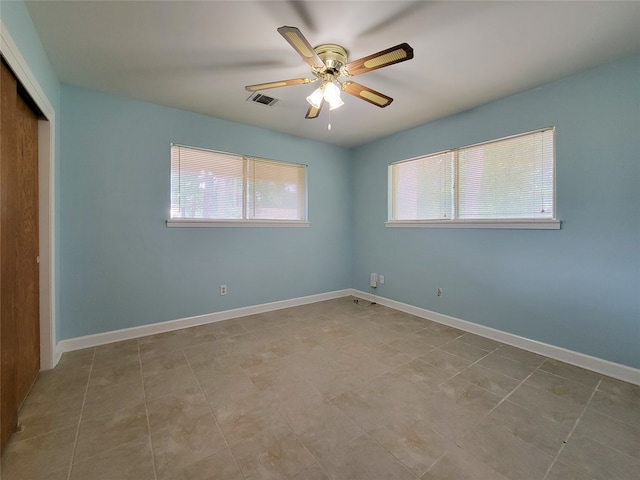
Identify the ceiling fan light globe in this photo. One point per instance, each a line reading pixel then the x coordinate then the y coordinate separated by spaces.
pixel 315 99
pixel 335 103
pixel 331 92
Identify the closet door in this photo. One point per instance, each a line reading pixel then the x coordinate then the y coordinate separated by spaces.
pixel 19 292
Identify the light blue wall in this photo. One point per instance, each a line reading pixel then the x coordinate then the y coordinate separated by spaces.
pixel 578 287
pixel 120 266
pixel 16 19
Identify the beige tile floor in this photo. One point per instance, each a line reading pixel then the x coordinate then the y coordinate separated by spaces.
pixel 333 390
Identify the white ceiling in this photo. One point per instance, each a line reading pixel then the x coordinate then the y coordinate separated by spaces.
pixel 198 56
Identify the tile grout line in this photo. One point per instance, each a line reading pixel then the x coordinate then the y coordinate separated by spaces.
pixel 412 359
pixel 224 437
pixel 434 463
pixel 506 397
pixel 455 441
pixel 146 411
pixel 329 401
pixel 84 400
pixel 295 434
pixel 575 425
pixel 500 403
pixel 466 368
pixel 392 369
pixel 448 378
pixel 364 431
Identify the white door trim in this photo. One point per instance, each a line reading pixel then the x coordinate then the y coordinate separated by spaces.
pixel 46 158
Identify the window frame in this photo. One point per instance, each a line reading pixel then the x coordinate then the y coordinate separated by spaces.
pixel 499 223
pixel 242 222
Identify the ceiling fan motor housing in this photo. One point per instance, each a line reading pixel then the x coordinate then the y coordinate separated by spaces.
pixel 333 56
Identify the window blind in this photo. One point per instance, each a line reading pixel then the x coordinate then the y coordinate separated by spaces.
pixel 206 184
pixel 423 188
pixel 274 190
pixel 509 178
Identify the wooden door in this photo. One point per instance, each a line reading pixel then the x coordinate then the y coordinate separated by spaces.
pixel 19 283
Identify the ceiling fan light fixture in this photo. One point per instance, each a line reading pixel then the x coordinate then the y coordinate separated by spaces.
pixel 332 95
pixel 331 91
pixel 315 99
pixel 335 103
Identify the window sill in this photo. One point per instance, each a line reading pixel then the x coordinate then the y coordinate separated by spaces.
pixel 191 222
pixel 506 224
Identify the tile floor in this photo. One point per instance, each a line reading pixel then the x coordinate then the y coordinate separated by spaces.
pixel 333 390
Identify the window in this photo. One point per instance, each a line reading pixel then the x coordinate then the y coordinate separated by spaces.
pixel 211 188
pixel 505 183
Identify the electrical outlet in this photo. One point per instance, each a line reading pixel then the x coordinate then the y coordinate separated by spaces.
pixel 439 292
pixel 223 289
pixel 381 277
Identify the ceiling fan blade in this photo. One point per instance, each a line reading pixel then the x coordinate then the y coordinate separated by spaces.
pixel 280 83
pixel 313 112
pixel 390 56
pixel 367 94
pixel 301 45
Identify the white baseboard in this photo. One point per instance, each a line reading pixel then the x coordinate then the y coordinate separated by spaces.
pixel 605 367
pixel 97 339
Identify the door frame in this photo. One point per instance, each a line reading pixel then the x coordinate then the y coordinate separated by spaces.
pixel 46 196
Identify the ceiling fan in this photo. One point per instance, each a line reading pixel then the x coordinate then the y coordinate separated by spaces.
pixel 328 63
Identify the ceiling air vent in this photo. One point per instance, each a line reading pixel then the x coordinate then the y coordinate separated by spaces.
pixel 263 99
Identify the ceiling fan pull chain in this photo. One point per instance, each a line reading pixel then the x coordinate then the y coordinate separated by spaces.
pixel 329 126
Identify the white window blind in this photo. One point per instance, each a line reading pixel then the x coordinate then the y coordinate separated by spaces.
pixel 274 190
pixel 511 178
pixel 506 179
pixel 211 185
pixel 423 188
